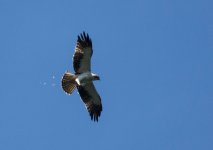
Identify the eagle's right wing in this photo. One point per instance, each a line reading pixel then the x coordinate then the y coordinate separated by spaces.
pixel 92 100
pixel 83 54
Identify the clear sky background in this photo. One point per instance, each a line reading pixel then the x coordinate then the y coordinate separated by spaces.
pixel 155 60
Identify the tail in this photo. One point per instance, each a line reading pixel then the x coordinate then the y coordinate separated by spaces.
pixel 68 82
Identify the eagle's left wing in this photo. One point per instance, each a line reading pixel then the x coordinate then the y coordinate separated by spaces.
pixel 92 100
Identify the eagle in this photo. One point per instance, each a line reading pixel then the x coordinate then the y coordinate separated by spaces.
pixel 83 78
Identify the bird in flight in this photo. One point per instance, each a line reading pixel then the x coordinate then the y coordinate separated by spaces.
pixel 83 78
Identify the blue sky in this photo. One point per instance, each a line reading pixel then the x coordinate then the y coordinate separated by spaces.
pixel 154 58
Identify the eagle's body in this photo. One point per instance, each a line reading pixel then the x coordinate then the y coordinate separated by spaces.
pixel 83 78
pixel 86 77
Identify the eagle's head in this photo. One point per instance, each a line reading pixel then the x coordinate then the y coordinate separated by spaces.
pixel 95 76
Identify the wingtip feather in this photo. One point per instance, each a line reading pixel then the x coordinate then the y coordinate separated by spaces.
pixel 84 39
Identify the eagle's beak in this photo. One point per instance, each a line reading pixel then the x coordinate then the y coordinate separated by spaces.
pixel 97 78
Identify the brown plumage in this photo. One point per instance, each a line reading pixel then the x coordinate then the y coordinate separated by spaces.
pixel 68 82
pixel 82 68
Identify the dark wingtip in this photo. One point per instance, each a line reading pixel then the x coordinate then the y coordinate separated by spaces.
pixel 94 117
pixel 79 39
pixel 84 38
pixel 84 35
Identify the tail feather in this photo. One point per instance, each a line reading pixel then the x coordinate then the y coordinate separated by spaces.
pixel 68 82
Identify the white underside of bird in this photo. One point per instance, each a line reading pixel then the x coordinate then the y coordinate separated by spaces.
pixel 84 78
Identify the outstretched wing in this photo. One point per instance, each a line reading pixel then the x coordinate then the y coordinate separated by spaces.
pixel 92 100
pixel 83 54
